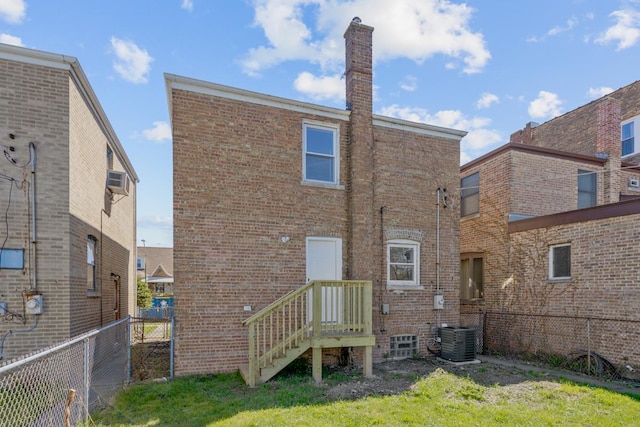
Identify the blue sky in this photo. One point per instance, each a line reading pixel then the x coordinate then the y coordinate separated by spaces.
pixel 487 67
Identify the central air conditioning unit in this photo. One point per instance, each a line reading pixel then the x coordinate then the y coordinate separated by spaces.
pixel 634 182
pixel 118 182
pixel 457 344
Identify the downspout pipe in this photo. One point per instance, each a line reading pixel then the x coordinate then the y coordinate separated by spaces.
pixel 34 231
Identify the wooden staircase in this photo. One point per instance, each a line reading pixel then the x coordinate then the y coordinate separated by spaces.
pixel 321 314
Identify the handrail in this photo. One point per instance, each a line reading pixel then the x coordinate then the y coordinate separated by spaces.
pixel 319 308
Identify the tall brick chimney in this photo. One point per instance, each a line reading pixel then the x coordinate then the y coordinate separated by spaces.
pixel 524 136
pixel 359 94
pixel 608 143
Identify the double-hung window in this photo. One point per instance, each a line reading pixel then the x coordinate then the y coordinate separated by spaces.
pixel 628 140
pixel 587 189
pixel 470 195
pixel 471 277
pixel 321 160
pixel 403 263
pixel 92 251
pixel 560 261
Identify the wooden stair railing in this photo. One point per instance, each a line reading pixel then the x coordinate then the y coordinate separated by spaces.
pixel 318 314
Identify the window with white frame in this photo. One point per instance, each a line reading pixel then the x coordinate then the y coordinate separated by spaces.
pixel 471 277
pixel 140 263
pixel 560 261
pixel 92 251
pixel 628 138
pixel 403 263
pixel 470 195
pixel 320 147
pixel 587 189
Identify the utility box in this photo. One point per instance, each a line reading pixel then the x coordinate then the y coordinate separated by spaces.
pixel 457 344
pixel 438 302
pixel 34 304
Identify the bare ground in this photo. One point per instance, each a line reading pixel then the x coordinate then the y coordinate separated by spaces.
pixel 397 376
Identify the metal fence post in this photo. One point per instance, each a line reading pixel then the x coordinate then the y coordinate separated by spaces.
pixel 128 349
pixel 171 346
pixel 87 380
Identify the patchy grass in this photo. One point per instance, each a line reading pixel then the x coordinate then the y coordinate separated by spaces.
pixel 440 399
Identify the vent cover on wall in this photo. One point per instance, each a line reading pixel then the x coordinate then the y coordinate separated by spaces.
pixel 457 344
pixel 118 182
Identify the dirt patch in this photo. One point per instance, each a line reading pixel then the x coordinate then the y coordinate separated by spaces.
pixel 397 376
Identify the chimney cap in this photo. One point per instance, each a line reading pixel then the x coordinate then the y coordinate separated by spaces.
pixel 356 20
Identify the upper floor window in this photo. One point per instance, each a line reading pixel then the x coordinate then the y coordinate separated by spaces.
pixel 403 262
pixel 628 138
pixel 560 261
pixel 470 195
pixel 321 160
pixel 587 189
pixel 92 251
pixel 471 277
pixel 140 263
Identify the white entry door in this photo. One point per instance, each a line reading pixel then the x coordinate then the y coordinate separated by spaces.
pixel 324 262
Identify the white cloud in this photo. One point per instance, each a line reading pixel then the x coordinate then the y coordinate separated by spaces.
pixel 187 5
pixel 486 100
pixel 626 31
pixel 160 132
pixel 131 63
pixel 409 83
pixel 598 92
pixel 13 11
pixel 414 29
pixel 569 25
pixel 9 39
pixel 320 88
pixel 478 140
pixel 546 106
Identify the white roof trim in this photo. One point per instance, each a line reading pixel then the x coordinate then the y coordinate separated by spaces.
pixel 422 128
pixel 213 89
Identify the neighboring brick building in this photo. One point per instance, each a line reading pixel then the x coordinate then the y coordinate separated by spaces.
pixel 549 237
pixel 270 193
pixel 69 235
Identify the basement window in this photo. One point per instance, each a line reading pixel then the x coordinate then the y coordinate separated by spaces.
pixel 403 346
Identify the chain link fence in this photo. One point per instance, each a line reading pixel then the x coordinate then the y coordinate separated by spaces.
pixel 605 347
pixel 62 384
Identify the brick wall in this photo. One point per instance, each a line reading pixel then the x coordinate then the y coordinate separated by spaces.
pixel 42 104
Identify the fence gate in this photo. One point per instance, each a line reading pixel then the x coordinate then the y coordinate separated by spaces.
pixel 152 344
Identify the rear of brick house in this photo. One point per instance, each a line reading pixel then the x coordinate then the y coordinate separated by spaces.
pixel 271 193
pixel 549 231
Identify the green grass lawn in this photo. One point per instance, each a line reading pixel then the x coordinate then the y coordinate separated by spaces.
pixel 440 399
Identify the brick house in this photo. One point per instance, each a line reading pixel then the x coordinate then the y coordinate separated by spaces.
pixel 155 266
pixel 273 195
pixel 68 192
pixel 549 231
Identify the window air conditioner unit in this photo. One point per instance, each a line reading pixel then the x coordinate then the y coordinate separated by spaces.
pixel 634 182
pixel 118 182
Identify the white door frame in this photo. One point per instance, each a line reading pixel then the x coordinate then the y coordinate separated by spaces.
pixel 333 313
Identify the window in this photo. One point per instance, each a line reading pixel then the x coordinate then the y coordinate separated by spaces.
pixel 92 249
pixel 140 263
pixel 587 189
pixel 560 261
pixel 471 277
pixel 403 263
pixel 470 195
pixel 628 139
pixel 12 259
pixel 320 163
